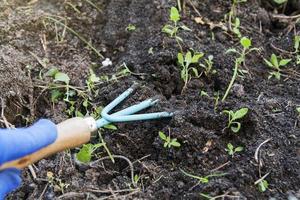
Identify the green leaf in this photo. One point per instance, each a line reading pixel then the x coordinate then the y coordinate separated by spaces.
pixel 231 50
pixel 298 109
pixel 85 153
pixel 236 128
pixel 62 77
pixel 196 57
pixel 179 39
pixel 162 135
pixel 296 43
pixel 180 58
pixel 51 72
pixel 188 58
pixel 240 113
pixel 175 143
pixel 268 63
pixel 111 127
pixel 284 62
pixel 168 29
pixel 195 71
pixel 238 149
pixel 174 14
pixel 263 185
pixel 237 22
pixel 274 61
pixel 185 28
pixel 230 146
pixel 55 94
pixel 94 78
pixel 246 42
pixel 280 1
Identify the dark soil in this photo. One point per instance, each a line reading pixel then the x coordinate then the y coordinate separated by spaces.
pixel 199 127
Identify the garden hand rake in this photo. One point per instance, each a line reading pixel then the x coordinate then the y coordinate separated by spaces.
pixel 77 131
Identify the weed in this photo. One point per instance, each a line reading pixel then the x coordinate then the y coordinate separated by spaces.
pixel 298 110
pixel 204 179
pixel 208 66
pixel 276 65
pixel 263 185
pixel 168 141
pixel 130 28
pixel 240 60
pixel 185 62
pixel 86 152
pixel 233 116
pixel 233 20
pixel 172 30
pixel 232 150
pixel 57 183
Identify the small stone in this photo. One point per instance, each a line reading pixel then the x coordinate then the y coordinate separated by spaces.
pixel 180 184
pixel 238 90
pixel 107 62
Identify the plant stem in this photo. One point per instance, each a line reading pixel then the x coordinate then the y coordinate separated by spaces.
pixel 237 64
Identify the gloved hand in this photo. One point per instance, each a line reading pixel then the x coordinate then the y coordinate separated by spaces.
pixel 16 143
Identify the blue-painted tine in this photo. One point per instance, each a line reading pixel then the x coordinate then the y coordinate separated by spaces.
pixel 127 111
pixel 119 99
pixel 138 117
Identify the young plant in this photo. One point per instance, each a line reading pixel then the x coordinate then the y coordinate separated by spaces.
pixel 239 61
pixel 86 152
pixel 263 185
pixel 185 62
pixel 172 30
pixel 92 80
pixel 298 110
pixel 130 28
pixel 204 179
pixel 168 141
pixel 236 27
pixel 232 19
pixel 233 116
pixel 232 150
pixel 275 64
pixel 208 66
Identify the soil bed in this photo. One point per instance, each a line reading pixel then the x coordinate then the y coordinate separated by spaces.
pixel 31 44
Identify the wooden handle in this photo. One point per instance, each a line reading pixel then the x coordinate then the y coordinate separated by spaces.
pixel 70 133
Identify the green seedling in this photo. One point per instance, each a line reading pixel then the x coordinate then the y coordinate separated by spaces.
pixel 185 62
pixel 168 141
pixel 296 47
pixel 204 93
pixel 263 185
pixel 86 152
pixel 239 61
pixel 298 110
pixel 236 27
pixel 92 80
pixel 172 30
pixel 275 64
pixel 130 28
pixel 204 179
pixel 208 66
pixel 232 150
pixel 232 19
pixel 233 116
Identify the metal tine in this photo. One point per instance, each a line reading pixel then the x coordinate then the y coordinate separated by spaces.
pixel 127 111
pixel 120 98
pixel 138 117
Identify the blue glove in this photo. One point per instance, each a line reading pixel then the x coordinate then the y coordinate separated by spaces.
pixel 16 143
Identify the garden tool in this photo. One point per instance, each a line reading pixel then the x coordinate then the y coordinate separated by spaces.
pixel 77 131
